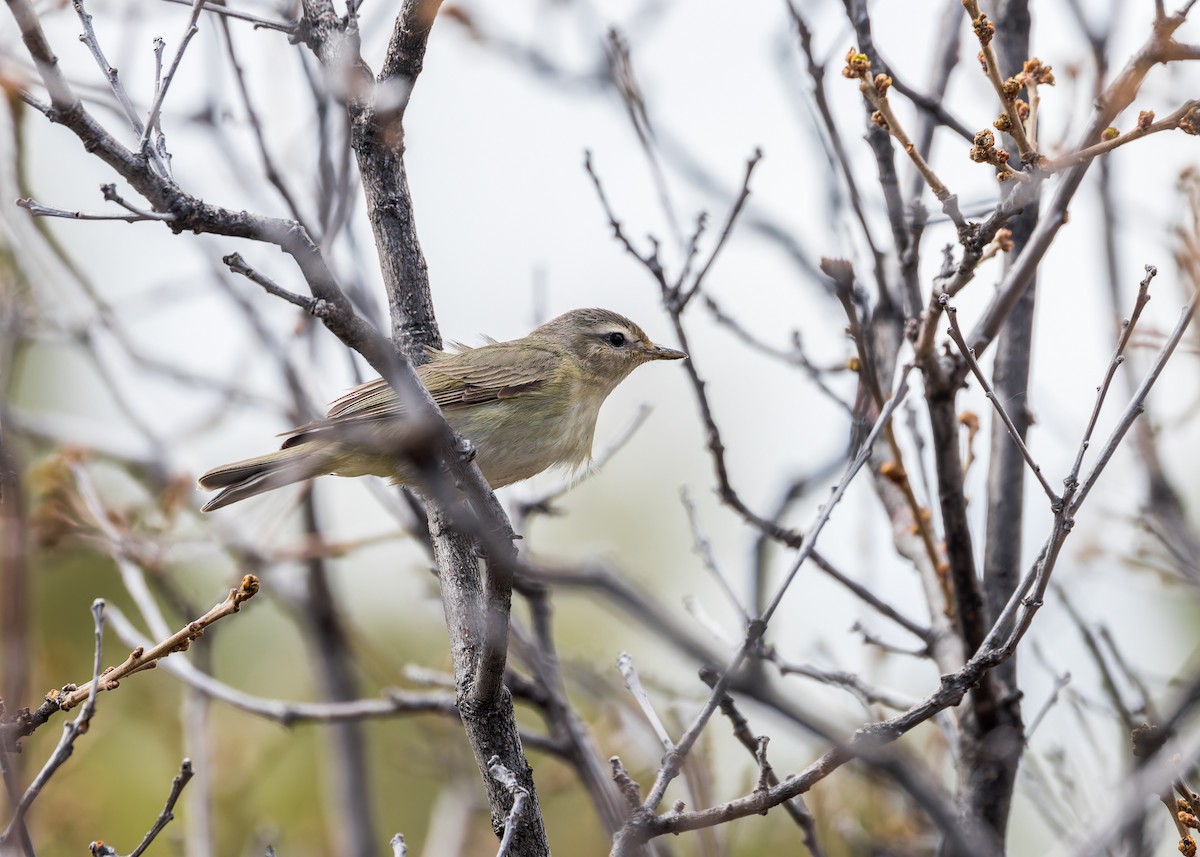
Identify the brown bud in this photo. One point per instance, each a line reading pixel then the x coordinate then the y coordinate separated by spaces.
pixel 1000 156
pixel 1037 72
pixel 877 119
pixel 1145 119
pixel 1188 820
pixel 1002 123
pixel 882 83
pixel 857 64
pixel 1022 109
pixel 978 155
pixel 1187 847
pixel 1004 240
pixel 1110 134
pixel 1010 88
pixel 1190 123
pixel 852 364
pixel 985 139
pixel 1146 740
pixel 984 30
pixel 893 471
pixel 983 63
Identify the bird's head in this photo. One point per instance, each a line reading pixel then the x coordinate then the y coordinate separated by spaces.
pixel 607 345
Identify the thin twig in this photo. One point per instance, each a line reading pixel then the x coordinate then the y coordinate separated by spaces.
pixel 114 81
pixel 847 681
pixel 793 357
pixel 704 548
pixel 681 299
pixel 71 730
pixel 37 209
pixel 523 509
pixel 675 758
pixel 955 333
pixel 795 807
pixel 1060 682
pixel 287 712
pixel 168 812
pixel 872 600
pixel 1127 328
pixel 520 795
pixel 141 658
pixel 259 23
pixel 1137 404
pixel 874 89
pixel 725 487
pixel 270 168
pixel 313 306
pixel 88 37
pixel 634 684
pixel 621 73
pixel 1187 115
pixel 156 108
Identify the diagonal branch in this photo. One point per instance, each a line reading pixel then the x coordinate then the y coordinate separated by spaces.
pixel 955 333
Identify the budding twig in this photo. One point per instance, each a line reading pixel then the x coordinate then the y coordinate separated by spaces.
pixel 1006 91
pixel 1186 119
pixel 141 658
pixel 874 89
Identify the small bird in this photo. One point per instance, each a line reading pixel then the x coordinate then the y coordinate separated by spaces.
pixel 526 405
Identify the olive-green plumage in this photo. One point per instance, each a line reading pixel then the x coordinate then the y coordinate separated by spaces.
pixel 526 405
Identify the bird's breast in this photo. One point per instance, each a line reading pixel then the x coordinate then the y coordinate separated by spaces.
pixel 519 438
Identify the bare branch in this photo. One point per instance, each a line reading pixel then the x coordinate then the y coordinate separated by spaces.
pixel 795 807
pixel 168 812
pixel 674 760
pixel 71 732
pixel 634 684
pixel 1137 405
pixel 152 123
pixel 288 27
pixel 1127 328
pixel 37 209
pixel 681 298
pixel 969 355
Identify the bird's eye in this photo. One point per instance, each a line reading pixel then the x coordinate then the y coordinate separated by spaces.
pixel 616 340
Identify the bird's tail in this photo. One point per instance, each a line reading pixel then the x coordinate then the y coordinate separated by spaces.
pixel 252 476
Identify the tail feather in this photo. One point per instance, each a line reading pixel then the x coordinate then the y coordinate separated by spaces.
pixel 252 476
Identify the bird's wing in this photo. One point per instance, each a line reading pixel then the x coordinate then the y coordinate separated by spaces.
pixel 488 374
pixel 470 377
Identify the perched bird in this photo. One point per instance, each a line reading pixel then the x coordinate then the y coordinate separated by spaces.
pixel 526 405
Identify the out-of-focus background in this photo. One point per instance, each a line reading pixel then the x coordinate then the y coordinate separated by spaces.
pixel 127 321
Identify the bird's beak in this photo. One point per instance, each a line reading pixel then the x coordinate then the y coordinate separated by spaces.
pixel 658 352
